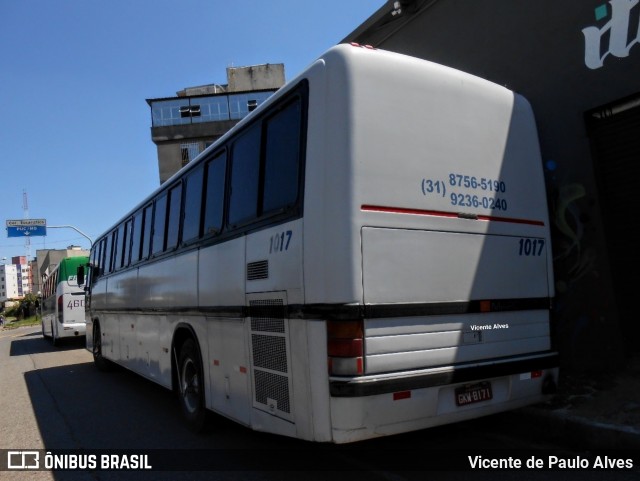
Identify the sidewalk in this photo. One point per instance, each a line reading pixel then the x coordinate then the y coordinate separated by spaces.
pixel 594 411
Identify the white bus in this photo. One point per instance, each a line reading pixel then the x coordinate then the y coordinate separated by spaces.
pixel 63 301
pixel 365 254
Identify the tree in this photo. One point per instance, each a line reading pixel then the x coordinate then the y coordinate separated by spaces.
pixel 28 306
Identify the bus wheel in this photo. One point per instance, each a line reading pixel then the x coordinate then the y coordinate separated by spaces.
pixel 191 386
pixel 98 359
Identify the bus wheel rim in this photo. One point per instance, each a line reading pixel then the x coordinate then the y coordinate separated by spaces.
pixel 190 386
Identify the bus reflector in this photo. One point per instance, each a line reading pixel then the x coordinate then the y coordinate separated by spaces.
pixel 535 374
pixel 345 347
pixel 401 395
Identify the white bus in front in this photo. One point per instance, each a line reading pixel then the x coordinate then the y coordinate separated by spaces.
pixel 63 301
pixel 367 253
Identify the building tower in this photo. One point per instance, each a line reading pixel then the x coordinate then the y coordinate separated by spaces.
pixel 183 126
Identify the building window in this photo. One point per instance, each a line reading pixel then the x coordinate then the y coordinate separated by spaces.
pixel 187 111
pixel 241 104
pixel 170 112
pixel 189 151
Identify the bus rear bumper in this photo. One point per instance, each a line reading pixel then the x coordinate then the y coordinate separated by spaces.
pixel 72 330
pixel 356 418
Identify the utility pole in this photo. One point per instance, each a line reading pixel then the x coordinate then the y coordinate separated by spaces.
pixel 25 215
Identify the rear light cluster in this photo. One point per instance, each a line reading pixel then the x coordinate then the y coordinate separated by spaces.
pixel 345 347
pixel 60 309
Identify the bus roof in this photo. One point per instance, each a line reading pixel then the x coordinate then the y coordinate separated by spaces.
pixel 69 266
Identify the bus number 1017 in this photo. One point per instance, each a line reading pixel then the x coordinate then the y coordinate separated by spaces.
pixel 531 247
pixel 280 242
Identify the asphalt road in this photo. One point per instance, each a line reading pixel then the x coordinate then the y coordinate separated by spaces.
pixel 55 399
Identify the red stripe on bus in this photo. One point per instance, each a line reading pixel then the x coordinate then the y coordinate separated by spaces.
pixel 439 213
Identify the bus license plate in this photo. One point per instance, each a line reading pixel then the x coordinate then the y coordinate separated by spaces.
pixel 473 393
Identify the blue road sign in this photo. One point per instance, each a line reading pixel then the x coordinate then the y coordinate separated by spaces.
pixel 26 227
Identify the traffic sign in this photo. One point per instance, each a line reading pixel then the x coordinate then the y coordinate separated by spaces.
pixel 26 227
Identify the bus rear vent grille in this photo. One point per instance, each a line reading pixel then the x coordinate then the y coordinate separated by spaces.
pixel 272 390
pixel 270 356
pixel 257 270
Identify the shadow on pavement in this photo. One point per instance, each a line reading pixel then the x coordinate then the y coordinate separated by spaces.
pixel 36 344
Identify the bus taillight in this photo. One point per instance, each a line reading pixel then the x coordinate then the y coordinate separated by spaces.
pixel 345 347
pixel 60 309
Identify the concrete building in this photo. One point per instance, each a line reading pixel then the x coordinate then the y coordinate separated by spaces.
pixel 578 63
pixel 183 126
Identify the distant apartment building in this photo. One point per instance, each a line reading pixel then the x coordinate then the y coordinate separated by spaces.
pixel 15 279
pixel 185 125
pixel 8 282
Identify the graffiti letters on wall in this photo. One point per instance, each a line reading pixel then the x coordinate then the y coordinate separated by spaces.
pixel 614 37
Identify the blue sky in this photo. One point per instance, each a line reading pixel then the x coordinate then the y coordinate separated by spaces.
pixel 74 76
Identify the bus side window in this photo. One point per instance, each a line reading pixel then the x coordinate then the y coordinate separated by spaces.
pixel 173 217
pixel 282 158
pixel 95 260
pixel 126 250
pixel 214 194
pixel 192 205
pixel 146 234
pixel 159 224
pixel 136 237
pixel 245 177
pixel 107 254
pixel 118 247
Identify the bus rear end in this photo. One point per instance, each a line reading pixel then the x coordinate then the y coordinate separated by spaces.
pixel 450 265
pixel 70 313
pixel 71 318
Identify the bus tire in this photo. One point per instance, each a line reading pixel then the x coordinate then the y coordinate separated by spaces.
pixel 191 386
pixel 99 360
